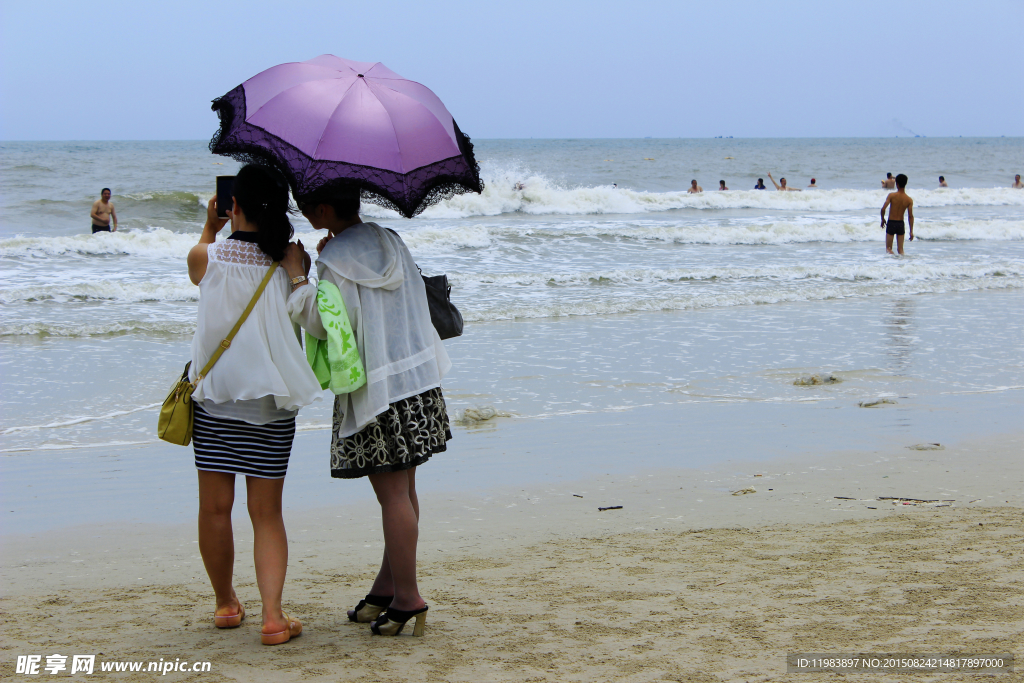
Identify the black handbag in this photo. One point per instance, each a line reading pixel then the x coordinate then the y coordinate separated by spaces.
pixel 446 318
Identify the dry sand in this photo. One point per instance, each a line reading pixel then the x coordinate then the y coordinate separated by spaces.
pixel 706 605
pixel 686 582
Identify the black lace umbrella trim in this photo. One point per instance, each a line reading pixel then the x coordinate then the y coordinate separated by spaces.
pixel 407 193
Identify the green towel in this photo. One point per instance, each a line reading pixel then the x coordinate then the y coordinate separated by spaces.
pixel 336 361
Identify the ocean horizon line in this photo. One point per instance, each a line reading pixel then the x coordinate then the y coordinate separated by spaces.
pixel 571 139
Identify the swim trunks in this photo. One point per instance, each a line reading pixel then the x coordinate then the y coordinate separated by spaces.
pixel 100 228
pixel 895 228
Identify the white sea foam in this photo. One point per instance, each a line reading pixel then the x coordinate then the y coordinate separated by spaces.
pixel 103 290
pixel 152 243
pixel 544 196
pixel 559 292
pixel 989 390
pixel 754 296
pixel 747 231
pixel 78 420
pixel 158 243
pixel 161 244
pixel 313 426
pixel 883 273
pixel 96 328
pixel 73 446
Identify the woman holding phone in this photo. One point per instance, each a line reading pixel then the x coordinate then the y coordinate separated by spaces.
pixel 245 408
pixel 397 420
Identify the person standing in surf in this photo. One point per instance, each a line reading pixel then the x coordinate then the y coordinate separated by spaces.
pixel 783 187
pixel 102 212
pixel 898 203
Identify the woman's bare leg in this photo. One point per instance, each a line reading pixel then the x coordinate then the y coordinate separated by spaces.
pixel 384 584
pixel 396 493
pixel 216 539
pixel 270 547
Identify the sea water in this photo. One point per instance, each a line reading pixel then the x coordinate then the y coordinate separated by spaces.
pixel 590 280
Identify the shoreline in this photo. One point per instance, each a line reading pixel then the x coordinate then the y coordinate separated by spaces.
pixel 806 489
pixel 155 483
pixel 528 580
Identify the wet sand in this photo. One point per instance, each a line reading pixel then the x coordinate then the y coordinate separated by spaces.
pixel 686 582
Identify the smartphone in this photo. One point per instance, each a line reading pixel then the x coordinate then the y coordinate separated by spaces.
pixel 225 189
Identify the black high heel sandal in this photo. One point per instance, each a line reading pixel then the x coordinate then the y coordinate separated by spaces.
pixel 369 608
pixel 394 620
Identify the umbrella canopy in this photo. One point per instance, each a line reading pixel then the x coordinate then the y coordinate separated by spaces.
pixel 331 122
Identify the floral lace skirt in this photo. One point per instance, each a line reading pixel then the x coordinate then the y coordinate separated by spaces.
pixel 404 436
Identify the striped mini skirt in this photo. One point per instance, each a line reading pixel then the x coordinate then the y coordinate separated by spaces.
pixel 224 445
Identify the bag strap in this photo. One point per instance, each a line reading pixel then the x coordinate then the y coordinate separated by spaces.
pixel 223 346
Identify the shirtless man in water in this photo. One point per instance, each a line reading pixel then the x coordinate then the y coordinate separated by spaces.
pixel 102 212
pixel 694 187
pixel 889 183
pixel 1017 184
pixel 781 185
pixel 898 202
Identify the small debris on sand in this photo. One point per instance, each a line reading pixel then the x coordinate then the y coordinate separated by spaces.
pixel 816 379
pixel 476 415
pixel 749 489
pixel 611 507
pixel 935 502
pixel 876 402
pixel 927 447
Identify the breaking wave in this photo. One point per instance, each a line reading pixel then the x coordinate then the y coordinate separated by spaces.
pixel 543 196
pixel 721 232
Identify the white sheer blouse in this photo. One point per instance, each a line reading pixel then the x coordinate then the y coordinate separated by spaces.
pixel 387 306
pixel 264 375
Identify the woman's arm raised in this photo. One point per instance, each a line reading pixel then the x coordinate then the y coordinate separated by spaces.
pixel 197 256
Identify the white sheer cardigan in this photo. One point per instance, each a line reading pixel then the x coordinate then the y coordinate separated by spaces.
pixel 387 306
pixel 264 375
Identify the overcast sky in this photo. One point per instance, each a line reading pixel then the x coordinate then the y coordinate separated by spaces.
pixel 524 68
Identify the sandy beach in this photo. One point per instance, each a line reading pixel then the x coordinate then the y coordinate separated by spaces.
pixel 688 581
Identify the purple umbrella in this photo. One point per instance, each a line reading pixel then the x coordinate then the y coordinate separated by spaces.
pixel 331 122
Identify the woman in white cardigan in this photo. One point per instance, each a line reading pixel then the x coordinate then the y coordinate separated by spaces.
pixel 245 407
pixel 392 424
